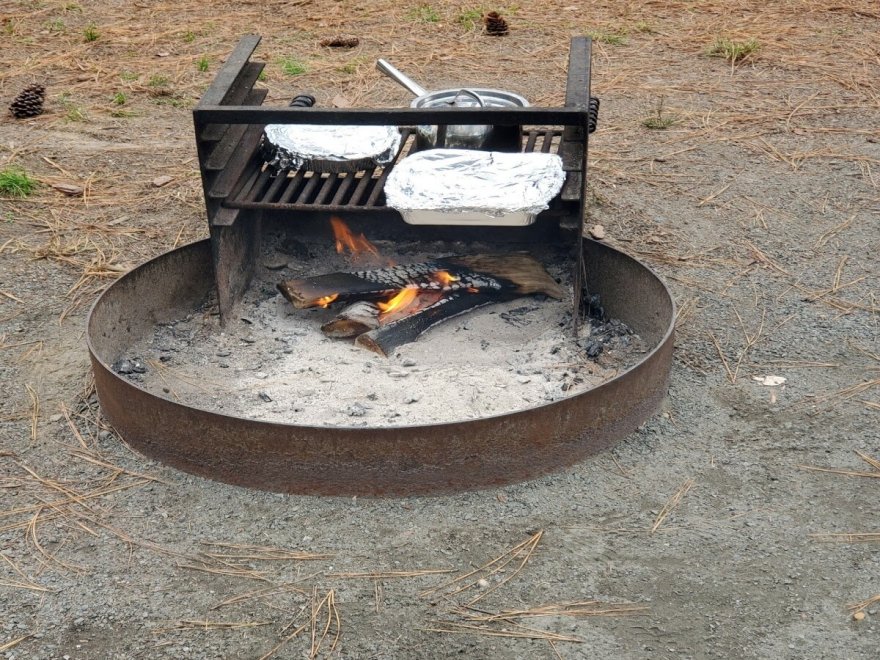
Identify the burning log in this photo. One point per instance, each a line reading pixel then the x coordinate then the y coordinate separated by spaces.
pixel 518 273
pixel 385 338
pixel 354 320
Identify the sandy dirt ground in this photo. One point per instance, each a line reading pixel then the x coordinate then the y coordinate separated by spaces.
pixel 740 522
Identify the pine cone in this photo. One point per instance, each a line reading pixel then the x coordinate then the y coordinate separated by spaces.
pixel 496 26
pixel 29 103
pixel 340 42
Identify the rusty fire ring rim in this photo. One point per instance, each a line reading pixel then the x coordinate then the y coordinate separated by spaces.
pixel 137 414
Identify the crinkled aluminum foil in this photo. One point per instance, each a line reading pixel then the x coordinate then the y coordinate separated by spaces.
pixel 483 182
pixel 329 147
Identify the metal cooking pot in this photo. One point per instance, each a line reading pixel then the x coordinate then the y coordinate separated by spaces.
pixel 493 138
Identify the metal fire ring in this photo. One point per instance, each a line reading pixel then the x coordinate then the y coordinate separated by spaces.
pixel 409 460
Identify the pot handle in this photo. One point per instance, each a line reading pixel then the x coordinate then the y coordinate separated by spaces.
pixel 400 78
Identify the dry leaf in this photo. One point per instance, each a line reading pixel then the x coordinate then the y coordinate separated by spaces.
pixel 160 181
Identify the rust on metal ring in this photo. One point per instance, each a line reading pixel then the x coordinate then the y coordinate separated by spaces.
pixel 408 460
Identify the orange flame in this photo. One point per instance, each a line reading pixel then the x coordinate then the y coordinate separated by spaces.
pixel 401 300
pixel 326 300
pixel 445 278
pixel 346 240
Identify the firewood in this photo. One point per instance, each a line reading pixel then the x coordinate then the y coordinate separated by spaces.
pixel 384 339
pixel 517 272
pixel 352 321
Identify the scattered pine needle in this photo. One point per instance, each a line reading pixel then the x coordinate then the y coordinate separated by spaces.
pixel 35 411
pixel 187 624
pixel 517 631
pixel 386 575
pixel 858 607
pixel 14 642
pixel 522 551
pixel 870 460
pixel 579 609
pixel 849 537
pixel 672 503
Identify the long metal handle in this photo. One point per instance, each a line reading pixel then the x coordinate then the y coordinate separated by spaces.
pixel 400 78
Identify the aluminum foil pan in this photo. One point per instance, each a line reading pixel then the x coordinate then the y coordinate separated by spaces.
pixel 328 148
pixel 466 187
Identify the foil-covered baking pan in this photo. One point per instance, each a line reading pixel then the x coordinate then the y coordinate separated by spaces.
pixel 467 187
pixel 328 148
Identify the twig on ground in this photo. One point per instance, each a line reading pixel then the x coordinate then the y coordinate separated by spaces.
pixel 672 503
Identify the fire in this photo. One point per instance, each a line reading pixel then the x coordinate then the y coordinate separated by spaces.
pixel 401 300
pixel 326 300
pixel 445 278
pixel 357 244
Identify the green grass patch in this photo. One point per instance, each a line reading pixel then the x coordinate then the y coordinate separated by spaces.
pixel 733 51
pixel 73 111
pixel 119 98
pixel 470 19
pixel 659 121
pixel 91 32
pixel 189 36
pixel 129 76
pixel 158 81
pixel 424 14
pixel 617 38
pixel 203 63
pixel 291 66
pixel 56 25
pixel 14 182
pixel 263 77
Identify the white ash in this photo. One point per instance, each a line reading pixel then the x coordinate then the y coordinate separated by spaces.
pixel 275 365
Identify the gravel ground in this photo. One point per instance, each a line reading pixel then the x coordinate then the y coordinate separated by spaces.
pixel 704 534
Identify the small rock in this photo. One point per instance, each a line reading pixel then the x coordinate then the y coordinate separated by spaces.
pixel 262 375
pixel 264 396
pixel 483 583
pixel 356 410
pixel 223 353
pixel 597 232
pixel 163 53
pixel 55 418
pixel 408 362
pixel 398 374
pixel 276 262
pixel 858 616
pixel 339 101
pixel 523 379
pixel 138 367
pixel 249 340
pixel 123 366
pixel 411 398
pixel 70 189
pixel 163 180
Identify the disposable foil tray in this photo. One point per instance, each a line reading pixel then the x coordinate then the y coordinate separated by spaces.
pixel 466 187
pixel 328 148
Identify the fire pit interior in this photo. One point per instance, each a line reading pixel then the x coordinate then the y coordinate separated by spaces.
pixel 413 358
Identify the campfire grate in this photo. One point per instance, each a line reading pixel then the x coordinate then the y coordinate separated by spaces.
pixel 302 190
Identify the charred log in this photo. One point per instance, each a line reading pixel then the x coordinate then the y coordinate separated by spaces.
pixel 517 272
pixel 384 339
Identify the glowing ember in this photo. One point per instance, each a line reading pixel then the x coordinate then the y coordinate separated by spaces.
pixel 356 244
pixel 403 299
pixel 326 300
pixel 445 278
